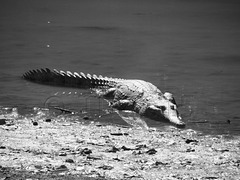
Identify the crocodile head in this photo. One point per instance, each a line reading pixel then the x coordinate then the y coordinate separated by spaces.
pixel 164 108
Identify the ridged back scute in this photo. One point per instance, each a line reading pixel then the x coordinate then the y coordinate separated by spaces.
pixel 40 75
pixel 69 79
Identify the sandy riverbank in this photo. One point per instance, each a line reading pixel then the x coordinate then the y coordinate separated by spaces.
pixel 59 149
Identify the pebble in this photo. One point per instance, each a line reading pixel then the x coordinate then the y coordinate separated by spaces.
pixel 35 123
pixel 62 167
pixel 188 141
pixel 105 167
pixel 2 121
pixel 137 152
pixel 69 161
pixel 93 157
pixel 62 154
pixel 86 151
pixel 119 134
pixel 151 151
pixel 190 150
pixel 48 120
pixel 85 117
pixel 126 148
pixel 38 166
pixel 113 150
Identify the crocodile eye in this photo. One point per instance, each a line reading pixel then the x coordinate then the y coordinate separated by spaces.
pixel 173 107
pixel 163 108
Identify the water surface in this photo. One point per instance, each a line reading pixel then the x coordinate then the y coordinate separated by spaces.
pixel 190 48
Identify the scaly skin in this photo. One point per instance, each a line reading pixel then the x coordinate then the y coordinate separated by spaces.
pixel 135 95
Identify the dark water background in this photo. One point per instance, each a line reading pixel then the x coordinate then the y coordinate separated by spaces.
pixel 189 47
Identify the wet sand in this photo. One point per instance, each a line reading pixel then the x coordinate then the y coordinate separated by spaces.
pixel 59 149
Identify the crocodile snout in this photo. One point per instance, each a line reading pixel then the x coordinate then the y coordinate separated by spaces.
pixel 177 121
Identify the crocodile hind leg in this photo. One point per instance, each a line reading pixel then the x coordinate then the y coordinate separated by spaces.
pixel 108 94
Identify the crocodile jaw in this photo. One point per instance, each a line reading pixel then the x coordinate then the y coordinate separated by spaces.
pixel 176 120
pixel 164 113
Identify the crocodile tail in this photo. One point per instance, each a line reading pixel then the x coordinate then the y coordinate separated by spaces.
pixel 68 79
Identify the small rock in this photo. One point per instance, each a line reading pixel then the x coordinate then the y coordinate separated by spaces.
pixel 190 150
pixel 94 158
pixel 126 148
pixel 105 167
pixel 86 151
pixel 137 152
pixel 236 163
pixel 221 150
pixel 66 124
pixel 113 150
pixel 159 163
pixel 62 154
pixel 151 151
pixel 104 136
pixel 62 167
pixel 85 117
pixel 140 146
pixel 211 177
pixel 38 166
pixel 48 120
pixel 117 159
pixel 79 141
pixel 66 149
pixel 188 141
pixel 69 161
pixel 2 147
pixel 186 162
pixel 99 125
pixel 119 134
pixel 2 121
pixel 35 123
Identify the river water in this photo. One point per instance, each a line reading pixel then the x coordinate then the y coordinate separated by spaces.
pixel 189 47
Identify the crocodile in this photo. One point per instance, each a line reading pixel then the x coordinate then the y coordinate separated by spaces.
pixel 137 96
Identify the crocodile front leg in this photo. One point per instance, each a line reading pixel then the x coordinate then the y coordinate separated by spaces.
pixel 123 105
pixel 125 109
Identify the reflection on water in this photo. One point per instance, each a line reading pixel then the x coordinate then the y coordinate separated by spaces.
pixel 190 48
